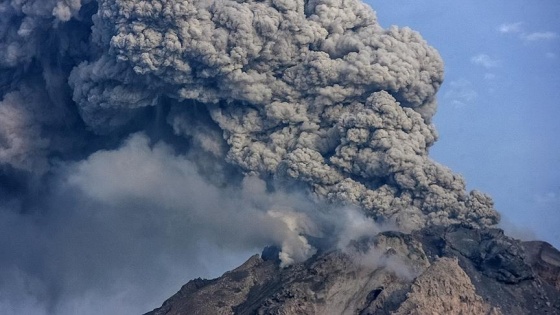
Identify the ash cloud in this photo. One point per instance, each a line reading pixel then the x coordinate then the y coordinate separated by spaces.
pixel 315 91
pixel 141 134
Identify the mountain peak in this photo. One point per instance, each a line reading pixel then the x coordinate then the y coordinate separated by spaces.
pixel 437 270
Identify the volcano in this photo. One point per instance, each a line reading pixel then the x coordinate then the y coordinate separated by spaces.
pixel 439 270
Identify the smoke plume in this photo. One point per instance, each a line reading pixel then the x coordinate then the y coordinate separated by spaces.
pixel 140 134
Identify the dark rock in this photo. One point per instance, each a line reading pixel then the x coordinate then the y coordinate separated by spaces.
pixel 271 253
pixel 494 254
pixel 545 261
pixel 499 267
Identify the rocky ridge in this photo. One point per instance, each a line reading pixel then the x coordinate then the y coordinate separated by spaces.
pixel 437 270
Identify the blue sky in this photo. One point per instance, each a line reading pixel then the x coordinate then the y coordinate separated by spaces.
pixel 499 107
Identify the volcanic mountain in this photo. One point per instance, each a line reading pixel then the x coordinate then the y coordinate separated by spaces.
pixel 439 270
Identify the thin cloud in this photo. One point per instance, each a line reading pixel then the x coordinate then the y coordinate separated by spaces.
pixel 516 28
pixel 510 28
pixel 537 36
pixel 460 93
pixel 485 61
pixel 549 197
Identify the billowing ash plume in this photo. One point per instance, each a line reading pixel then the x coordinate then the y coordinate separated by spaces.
pixel 212 95
pixel 316 91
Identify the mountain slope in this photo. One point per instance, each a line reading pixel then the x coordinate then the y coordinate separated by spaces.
pixel 437 270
